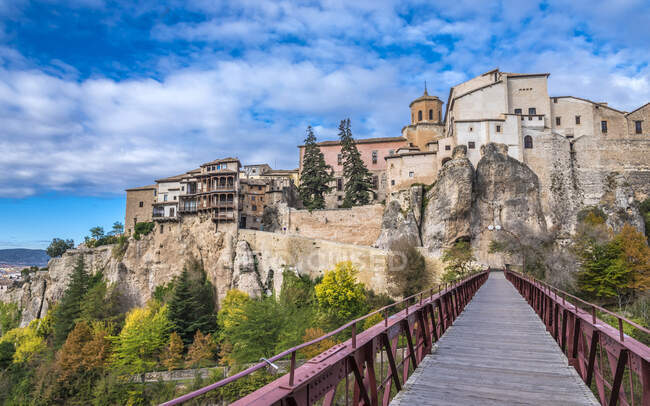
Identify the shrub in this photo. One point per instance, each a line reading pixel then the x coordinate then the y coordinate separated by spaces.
pixel 58 246
pixel 143 228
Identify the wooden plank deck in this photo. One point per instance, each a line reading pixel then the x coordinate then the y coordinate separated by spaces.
pixel 498 352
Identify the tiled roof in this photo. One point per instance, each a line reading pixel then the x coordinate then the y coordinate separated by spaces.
pixel 221 161
pixel 361 141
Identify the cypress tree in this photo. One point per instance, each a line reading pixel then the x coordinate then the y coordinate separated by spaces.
pixel 68 310
pixel 316 175
pixel 358 181
pixel 191 307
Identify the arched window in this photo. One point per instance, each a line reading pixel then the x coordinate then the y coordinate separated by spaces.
pixel 420 115
pixel 431 115
pixel 528 142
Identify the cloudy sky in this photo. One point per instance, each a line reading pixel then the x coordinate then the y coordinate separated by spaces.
pixel 97 96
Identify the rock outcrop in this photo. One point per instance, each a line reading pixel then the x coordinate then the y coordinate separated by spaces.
pixel 399 228
pixel 446 217
pixel 245 276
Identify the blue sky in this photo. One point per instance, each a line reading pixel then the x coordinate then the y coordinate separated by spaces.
pixel 97 96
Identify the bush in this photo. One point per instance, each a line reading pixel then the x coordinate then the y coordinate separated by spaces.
pixel 143 228
pixel 412 277
pixel 122 243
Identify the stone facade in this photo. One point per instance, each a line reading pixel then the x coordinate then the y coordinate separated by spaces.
pixel 138 206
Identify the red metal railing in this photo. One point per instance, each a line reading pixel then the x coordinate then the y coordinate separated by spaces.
pixel 614 365
pixel 360 360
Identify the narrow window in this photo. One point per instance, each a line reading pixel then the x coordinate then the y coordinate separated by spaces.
pixel 412 118
pixel 498 128
pixel 254 208
pixel 420 115
pixel 517 111
pixel 471 129
pixel 555 100
pixel 637 127
pixel 603 126
pixel 577 119
pixel 339 184
pixel 528 142
pixel 392 182
pixel 411 174
pixel 431 114
pixel 471 145
pixel 558 120
pixel 162 229
pixel 141 204
pixel 374 157
pixel 165 197
pixel 135 221
pixel 447 147
pixel 339 198
pixel 339 159
pixel 532 111
pixel 253 198
pixel 375 182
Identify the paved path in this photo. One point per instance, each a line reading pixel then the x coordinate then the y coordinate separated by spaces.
pixel 497 353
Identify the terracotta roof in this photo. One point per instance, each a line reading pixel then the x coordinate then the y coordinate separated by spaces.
pixel 222 160
pixel 410 154
pixel 361 141
pixel 134 189
pixel 424 97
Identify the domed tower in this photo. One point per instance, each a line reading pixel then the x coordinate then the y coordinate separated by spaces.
pixel 426 109
pixel 426 126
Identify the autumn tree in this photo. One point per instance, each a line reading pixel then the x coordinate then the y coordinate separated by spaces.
pixel 201 352
pixel 358 181
pixel 315 349
pixel 172 357
pixel 340 297
pixel 315 176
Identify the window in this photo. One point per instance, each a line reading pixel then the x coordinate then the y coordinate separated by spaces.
pixel 420 115
pixel 391 152
pixel 411 174
pixel 253 198
pixel 555 100
pixel 375 182
pixel 165 197
pixel 135 220
pixel 471 145
pixel 162 229
pixel 392 182
pixel 558 120
pixel 431 114
pixel 577 119
pixel 528 142
pixel 254 208
pixel 532 111
pixel 339 184
pixel 603 126
pixel 374 157
pixel 339 198
pixel 412 117
pixel 637 127
pixel 339 159
pixel 471 129
pixel 447 147
pixel 259 188
pixel 498 128
pixel 141 204
pixel 517 111
pixel 155 192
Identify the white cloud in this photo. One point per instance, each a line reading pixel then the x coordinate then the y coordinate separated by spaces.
pixel 297 64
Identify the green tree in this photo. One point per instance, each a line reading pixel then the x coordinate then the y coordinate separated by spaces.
pixel 315 176
pixel 118 228
pixel 58 246
pixel 358 181
pixel 7 351
pixel 340 297
pixel 412 276
pixel 459 261
pixel 9 317
pixel 100 302
pixel 97 232
pixel 191 307
pixel 68 309
pixel 231 314
pixel 255 333
pixel 142 339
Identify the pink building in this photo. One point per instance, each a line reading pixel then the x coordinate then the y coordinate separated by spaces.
pixel 373 151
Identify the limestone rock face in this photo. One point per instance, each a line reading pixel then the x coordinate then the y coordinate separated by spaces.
pixel 245 276
pixel 397 228
pixel 446 217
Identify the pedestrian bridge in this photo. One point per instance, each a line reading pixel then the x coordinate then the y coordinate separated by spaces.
pixel 494 338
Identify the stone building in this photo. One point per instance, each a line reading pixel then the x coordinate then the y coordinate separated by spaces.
pixel 139 202
pixel 372 150
pixel 253 195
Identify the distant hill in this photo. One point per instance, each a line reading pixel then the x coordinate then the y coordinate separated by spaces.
pixel 23 257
